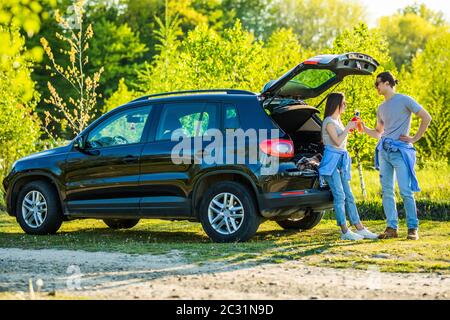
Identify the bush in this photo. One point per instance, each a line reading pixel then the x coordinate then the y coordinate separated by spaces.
pixel 19 126
pixel 426 210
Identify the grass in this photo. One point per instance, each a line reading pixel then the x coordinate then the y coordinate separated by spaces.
pixel 434 184
pixel 319 246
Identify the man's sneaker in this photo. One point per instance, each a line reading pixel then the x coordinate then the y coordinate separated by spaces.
pixel 389 233
pixel 367 234
pixel 413 234
pixel 350 235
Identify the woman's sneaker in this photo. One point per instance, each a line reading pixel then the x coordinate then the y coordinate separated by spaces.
pixel 367 234
pixel 350 235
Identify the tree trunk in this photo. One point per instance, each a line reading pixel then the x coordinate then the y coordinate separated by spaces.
pixel 361 176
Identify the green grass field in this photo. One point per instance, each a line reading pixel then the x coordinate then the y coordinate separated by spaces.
pixel 320 246
pixel 434 184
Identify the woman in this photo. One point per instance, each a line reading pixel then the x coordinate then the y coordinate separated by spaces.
pixel 335 168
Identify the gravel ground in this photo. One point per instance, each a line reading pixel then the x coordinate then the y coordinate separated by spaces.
pixel 106 275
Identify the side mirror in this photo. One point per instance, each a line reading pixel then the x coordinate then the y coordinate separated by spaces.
pixel 79 143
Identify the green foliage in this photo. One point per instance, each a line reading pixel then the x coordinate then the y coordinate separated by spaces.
pixel 318 22
pixel 117 48
pixel 23 14
pixel 72 113
pixel 206 59
pixel 436 18
pixel 429 83
pixel 241 44
pixel 283 51
pixel 426 210
pixel 408 32
pixel 121 96
pixel 19 127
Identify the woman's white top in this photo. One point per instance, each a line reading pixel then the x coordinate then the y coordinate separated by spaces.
pixel 339 128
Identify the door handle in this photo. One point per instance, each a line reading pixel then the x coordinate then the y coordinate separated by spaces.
pixel 130 159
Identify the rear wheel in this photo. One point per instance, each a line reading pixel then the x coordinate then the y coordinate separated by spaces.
pixel 311 219
pixel 228 213
pixel 37 209
pixel 121 223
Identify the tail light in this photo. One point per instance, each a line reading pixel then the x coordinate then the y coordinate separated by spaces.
pixel 281 148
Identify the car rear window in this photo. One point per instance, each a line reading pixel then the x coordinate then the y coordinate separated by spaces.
pixel 313 78
pixel 193 118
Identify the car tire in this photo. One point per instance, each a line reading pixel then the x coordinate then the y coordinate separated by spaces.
pixel 310 220
pixel 45 216
pixel 243 223
pixel 121 223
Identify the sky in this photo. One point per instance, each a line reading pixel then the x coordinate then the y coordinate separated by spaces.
pixel 379 8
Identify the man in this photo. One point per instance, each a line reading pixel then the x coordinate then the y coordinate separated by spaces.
pixel 395 152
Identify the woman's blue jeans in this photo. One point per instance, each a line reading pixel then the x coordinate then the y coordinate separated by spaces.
pixel 343 199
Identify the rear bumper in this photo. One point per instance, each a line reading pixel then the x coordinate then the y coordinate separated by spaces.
pixel 277 203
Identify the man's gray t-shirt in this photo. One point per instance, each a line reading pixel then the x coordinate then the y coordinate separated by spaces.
pixel 396 115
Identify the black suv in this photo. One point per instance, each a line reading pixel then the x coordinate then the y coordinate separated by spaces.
pixel 121 168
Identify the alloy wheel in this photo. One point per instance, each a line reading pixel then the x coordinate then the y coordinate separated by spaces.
pixel 226 213
pixel 34 209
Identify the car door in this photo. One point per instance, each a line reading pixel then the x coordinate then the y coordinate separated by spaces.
pixel 164 180
pixel 103 178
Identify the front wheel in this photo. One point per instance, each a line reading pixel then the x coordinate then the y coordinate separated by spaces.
pixel 228 213
pixel 311 219
pixel 121 223
pixel 37 209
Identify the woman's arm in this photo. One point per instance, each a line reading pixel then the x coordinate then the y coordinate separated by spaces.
pixel 332 132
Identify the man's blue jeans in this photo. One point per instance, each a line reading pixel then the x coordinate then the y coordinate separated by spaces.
pixel 390 162
pixel 343 199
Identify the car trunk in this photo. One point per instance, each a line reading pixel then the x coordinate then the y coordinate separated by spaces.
pixel 302 124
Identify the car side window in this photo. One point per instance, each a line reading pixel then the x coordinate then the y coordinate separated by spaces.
pixel 123 128
pixel 231 117
pixel 193 118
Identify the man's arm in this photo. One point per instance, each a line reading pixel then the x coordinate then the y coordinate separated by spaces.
pixel 377 132
pixel 426 119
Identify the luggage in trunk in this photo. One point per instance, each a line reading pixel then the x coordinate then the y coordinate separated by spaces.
pixel 303 125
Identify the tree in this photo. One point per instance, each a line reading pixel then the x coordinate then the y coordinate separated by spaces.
pixel 318 22
pixel 23 14
pixel 205 59
pixel 77 111
pixel 121 96
pixel 408 31
pixel 19 126
pixel 283 51
pixel 119 48
pixel 256 16
pixel 436 18
pixel 115 46
pixel 429 82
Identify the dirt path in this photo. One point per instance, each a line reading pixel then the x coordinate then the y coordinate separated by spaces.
pixel 105 275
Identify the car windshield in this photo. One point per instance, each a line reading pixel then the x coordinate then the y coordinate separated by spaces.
pixel 312 78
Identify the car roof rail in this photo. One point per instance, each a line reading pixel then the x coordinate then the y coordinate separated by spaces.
pixel 227 91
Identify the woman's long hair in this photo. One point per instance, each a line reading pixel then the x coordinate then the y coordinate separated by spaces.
pixel 334 102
